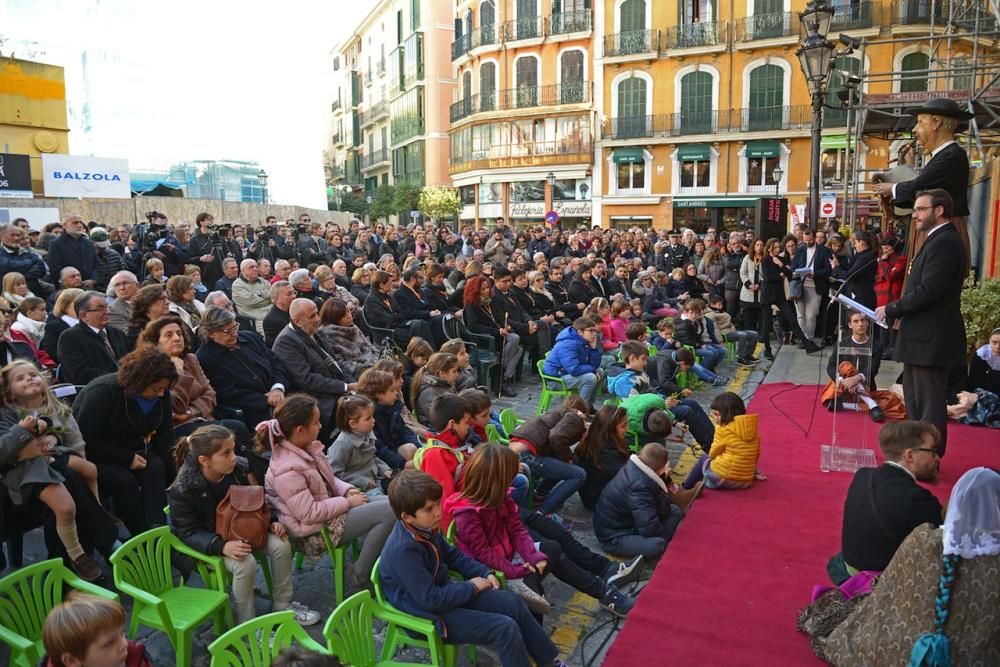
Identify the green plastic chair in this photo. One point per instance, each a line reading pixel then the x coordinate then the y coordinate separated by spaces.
pixel 257 642
pixel 337 558
pixel 27 595
pixel 142 571
pixel 493 435
pixel 632 438
pixel 548 393
pixel 401 629
pixel 730 351
pixel 510 420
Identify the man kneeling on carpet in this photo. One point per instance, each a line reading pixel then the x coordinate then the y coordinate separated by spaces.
pixel 885 504
pixel 732 462
pixel 635 514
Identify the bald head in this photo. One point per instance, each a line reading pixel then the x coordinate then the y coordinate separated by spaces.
pixel 304 315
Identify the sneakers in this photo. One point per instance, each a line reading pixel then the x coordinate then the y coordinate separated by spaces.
pixel 537 604
pixel 304 615
pixel 617 602
pixel 811 347
pixel 566 525
pixel 769 355
pixel 88 569
pixel 622 574
pixel 720 381
pixel 683 499
pixel 745 361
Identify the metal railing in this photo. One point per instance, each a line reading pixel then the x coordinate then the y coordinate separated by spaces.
pixel 406 128
pixel 380 67
pixel 528 27
pixel 631 43
pixel 540 152
pixel 335 105
pixel 711 122
pixel 374 158
pixel 691 35
pixel 562 23
pixel 524 97
pixel 767 26
pixel 372 113
pixel 910 12
pixel 856 16
pixel 338 138
pixel 461 46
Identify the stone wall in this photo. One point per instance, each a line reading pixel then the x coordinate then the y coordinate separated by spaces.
pixel 112 212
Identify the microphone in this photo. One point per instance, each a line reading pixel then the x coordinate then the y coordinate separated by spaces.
pixel 853 274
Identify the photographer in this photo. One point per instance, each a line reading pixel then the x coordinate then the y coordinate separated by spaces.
pixel 208 248
pixel 270 242
pixel 166 243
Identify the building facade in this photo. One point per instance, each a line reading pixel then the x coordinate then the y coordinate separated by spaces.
pixel 391 85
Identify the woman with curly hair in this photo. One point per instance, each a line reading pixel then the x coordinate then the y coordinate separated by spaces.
pixel 183 304
pixel 149 303
pixel 134 459
pixel 351 348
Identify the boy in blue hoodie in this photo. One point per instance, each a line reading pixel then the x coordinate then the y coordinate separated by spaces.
pixel 633 380
pixel 414 572
pixel 576 358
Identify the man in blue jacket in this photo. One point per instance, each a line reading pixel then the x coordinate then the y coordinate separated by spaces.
pixel 576 358
pixel 14 258
pixel 414 573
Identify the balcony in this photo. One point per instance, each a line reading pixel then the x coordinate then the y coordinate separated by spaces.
pixel 338 139
pixel 916 12
pixel 857 16
pixel 694 35
pixel 335 106
pixel 767 26
pixel 416 177
pixel 380 67
pixel 523 155
pixel 525 97
pixel 406 128
pixel 482 36
pixel 335 172
pixel 528 27
pixel 711 122
pixel 632 43
pixel 564 23
pixel 375 158
pixel 461 46
pixel 375 112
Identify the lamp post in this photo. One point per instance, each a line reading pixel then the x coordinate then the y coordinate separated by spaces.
pixel 262 178
pixel 776 174
pixel 370 220
pixel 816 58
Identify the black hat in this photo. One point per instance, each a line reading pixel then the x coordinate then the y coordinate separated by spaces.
pixel 941 106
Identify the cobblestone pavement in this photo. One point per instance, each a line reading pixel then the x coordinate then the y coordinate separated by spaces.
pixel 581 629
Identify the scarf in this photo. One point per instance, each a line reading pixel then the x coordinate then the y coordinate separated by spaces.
pixel 984 353
pixel 29 327
pixel 544 292
pixel 485 301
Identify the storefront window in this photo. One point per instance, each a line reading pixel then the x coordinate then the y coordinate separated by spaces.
pixel 631 175
pixel 760 170
pixel 467 194
pixel 696 174
pixel 523 191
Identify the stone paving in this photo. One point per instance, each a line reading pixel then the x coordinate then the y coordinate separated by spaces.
pixel 581 629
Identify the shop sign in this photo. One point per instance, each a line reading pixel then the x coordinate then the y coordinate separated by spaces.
pixel 528 209
pixel 15 176
pixel 572 209
pixel 81 176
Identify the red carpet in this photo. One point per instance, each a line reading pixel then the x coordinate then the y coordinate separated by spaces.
pixel 744 562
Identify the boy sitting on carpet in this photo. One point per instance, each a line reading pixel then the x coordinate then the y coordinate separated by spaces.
pixel 636 514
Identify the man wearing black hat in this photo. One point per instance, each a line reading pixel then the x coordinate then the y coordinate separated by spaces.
pixel 937 122
pixel 675 255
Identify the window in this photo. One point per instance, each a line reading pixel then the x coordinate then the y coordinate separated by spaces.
pixel 696 174
pixel 631 176
pixel 760 171
pixel 961 78
pixel 696 103
pixel 768 20
pixel 834 165
pixel 467 195
pixel 487 86
pixel 414 15
pixel 527 82
pixel 631 108
pixel 918 64
pixel 571 87
pixel 697 11
pixel 833 117
pixel 487 23
pixel 766 98
pixel 527 19
pixel 633 16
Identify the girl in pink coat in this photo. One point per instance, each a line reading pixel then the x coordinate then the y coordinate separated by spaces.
pixel 307 496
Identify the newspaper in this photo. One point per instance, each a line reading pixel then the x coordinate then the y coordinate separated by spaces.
pixel 865 310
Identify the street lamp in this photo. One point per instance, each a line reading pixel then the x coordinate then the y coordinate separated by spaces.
pixel 369 200
pixel 262 178
pixel 551 178
pixel 777 173
pixel 815 57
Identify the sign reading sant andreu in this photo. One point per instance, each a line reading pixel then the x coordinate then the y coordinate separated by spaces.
pixel 15 176
pixel 81 176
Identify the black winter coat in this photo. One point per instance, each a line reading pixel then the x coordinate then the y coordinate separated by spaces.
pixel 381 311
pixel 242 377
pixel 609 461
pixel 772 281
pixel 861 272
pixel 410 305
pixel 54 326
pixel 84 356
pixel 76 252
pixel 391 432
pixel 633 503
pixel 580 292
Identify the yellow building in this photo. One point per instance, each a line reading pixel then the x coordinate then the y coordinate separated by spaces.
pixel 700 101
pixel 392 83
pixel 522 118
pixel 32 112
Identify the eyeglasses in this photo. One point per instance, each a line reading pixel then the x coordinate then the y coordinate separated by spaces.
pixel 924 208
pixel 230 330
pixel 930 450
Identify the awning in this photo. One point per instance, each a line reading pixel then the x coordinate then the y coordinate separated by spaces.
pixel 693 152
pixel 833 141
pixel 719 202
pixel 763 148
pixel 629 154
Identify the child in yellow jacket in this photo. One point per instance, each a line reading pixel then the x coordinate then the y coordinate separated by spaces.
pixel 732 463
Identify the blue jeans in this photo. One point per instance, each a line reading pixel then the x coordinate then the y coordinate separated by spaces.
pixel 711 355
pixel 703 373
pixel 520 487
pixel 648 547
pixel 568 478
pixel 586 383
pixel 702 428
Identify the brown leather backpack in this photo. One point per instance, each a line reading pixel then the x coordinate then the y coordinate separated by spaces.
pixel 243 516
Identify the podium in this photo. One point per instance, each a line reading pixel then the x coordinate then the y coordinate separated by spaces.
pixel 838 456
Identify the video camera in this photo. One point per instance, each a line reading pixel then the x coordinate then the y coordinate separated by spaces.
pixel 148 234
pixel 220 233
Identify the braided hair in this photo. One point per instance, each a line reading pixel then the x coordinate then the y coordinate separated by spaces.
pixel 934 649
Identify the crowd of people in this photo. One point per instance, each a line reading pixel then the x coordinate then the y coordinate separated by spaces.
pixel 346 371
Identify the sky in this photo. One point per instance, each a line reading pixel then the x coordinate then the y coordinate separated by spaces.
pixel 187 80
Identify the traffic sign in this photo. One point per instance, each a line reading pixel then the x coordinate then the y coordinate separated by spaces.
pixel 551 217
pixel 828 205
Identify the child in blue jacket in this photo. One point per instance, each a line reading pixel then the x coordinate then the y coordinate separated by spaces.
pixel 395 443
pixel 414 573
pixel 576 358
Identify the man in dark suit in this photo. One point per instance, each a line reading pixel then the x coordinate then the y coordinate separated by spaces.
pixel 931 339
pixel 815 284
pixel 282 294
pixel 246 374
pixel 620 283
pixel 313 368
pixel 72 248
pixel 536 335
pixel 312 246
pixel 884 504
pixel 412 306
pixel 91 348
pixel 937 122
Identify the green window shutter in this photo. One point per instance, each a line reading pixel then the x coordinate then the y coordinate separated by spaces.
pixel 633 15
pixel 696 103
pixel 631 108
pixel 914 82
pixel 766 98
pixel 768 7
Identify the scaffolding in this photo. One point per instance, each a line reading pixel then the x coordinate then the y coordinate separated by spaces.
pixel 971 79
